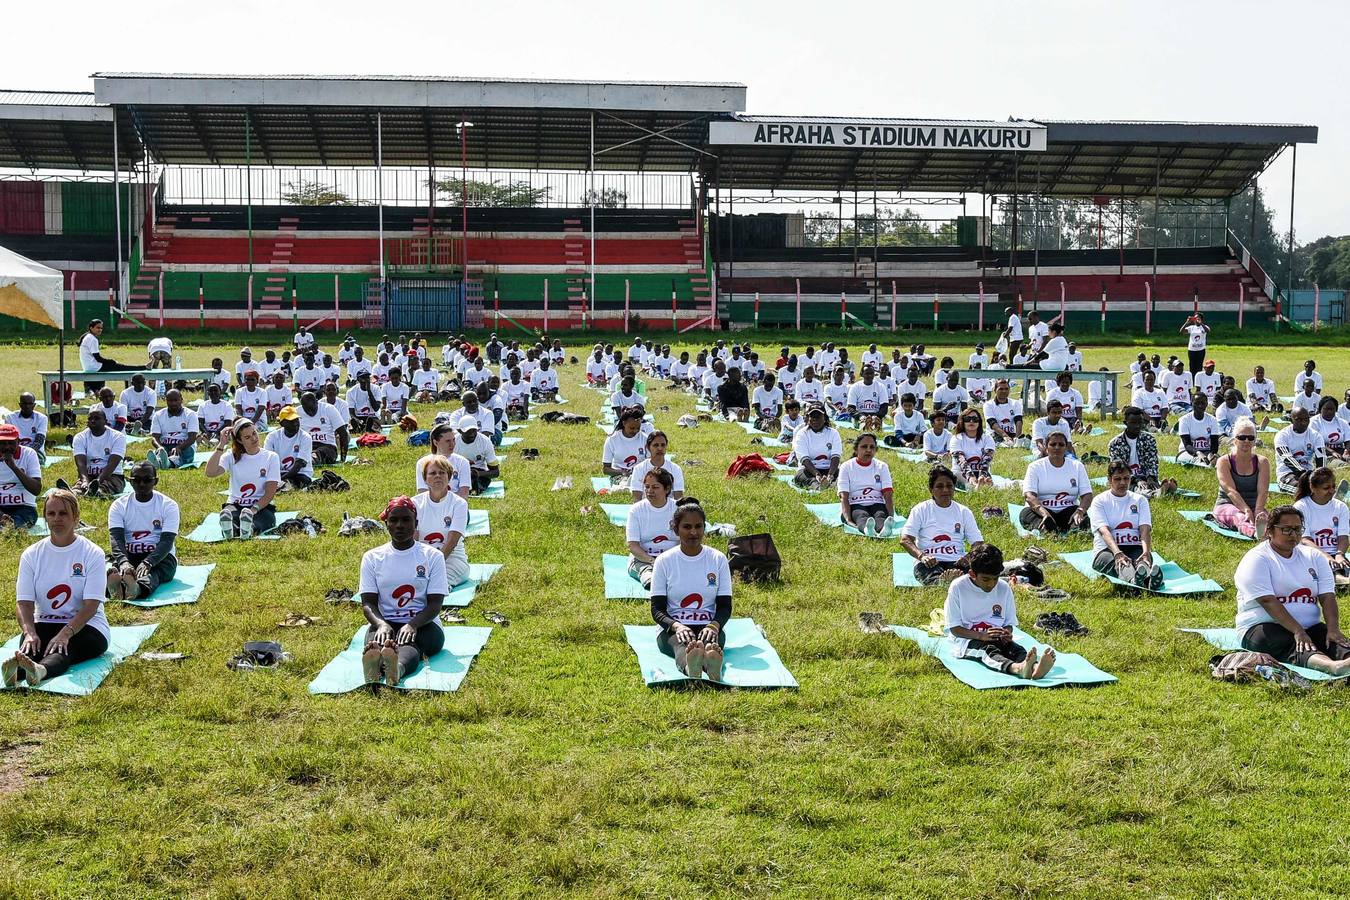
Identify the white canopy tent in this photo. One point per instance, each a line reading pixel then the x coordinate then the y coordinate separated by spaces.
pixel 33 292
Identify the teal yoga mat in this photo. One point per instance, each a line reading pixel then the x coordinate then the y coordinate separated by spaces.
pixel 748 427
pixel 1226 639
pixel 53 459
pixel 495 491
pixel 1014 515
pixel 601 485
pixel 908 455
pixel 617 513
pixel 828 514
pixel 443 672
pixel 769 441
pixel 619 585
pixel 1187 465
pixel 39 529
pixel 1184 494
pixel 510 442
pixel 479 525
pixel 1069 668
pixel 479 573
pixel 902 573
pixel 81 679
pixel 1198 515
pixel 1176 580
pixel 186 587
pixel 1000 484
pixel 749 660
pixel 209 531
pixel 787 479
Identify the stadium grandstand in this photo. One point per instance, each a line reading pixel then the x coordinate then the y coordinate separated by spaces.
pixel 190 201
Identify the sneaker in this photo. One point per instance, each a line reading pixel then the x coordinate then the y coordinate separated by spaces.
pixel 226 525
pixel 1126 571
pixel 245 524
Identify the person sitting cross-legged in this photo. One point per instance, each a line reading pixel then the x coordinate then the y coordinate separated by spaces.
pixel 981 614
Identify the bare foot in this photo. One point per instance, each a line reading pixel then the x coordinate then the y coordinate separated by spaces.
pixel 131 588
pixel 693 660
pixel 372 664
pixel 391 667
pixel 950 574
pixel 9 672
pixel 712 662
pixel 33 672
pixel 1047 662
pixel 1026 666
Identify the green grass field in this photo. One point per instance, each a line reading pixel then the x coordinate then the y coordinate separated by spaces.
pixel 554 770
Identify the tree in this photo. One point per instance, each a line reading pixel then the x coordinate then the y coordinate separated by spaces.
pixel 1327 263
pixel 314 193
pixel 491 193
pixel 893 228
pixel 1268 245
pixel 605 198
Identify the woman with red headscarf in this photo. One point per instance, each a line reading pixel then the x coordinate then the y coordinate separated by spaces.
pixel 403 585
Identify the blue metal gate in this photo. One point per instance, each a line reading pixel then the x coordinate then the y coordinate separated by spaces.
pixel 424 304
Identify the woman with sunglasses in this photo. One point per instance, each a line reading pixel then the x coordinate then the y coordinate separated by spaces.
pixel 1244 482
pixel 972 451
pixel 1287 600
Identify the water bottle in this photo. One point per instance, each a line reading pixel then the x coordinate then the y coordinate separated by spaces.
pixel 178 362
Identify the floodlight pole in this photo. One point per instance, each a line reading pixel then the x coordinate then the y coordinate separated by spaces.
pixel 379 189
pixel 117 210
pixel 1293 174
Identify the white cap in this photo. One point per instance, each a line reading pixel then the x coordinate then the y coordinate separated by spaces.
pixel 466 422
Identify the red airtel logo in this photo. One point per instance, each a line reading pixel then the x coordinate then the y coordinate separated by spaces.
pixel 435 539
pixel 59 595
pixel 248 490
pixel 403 594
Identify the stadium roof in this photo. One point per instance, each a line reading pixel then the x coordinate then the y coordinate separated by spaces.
pixel 313 120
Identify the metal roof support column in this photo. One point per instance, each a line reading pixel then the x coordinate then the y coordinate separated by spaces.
pixel 1157 197
pixel 117 207
pixel 1036 250
pixel 590 200
pixel 1293 174
pixel 1017 189
pixel 379 185
pixel 248 184
pixel 876 243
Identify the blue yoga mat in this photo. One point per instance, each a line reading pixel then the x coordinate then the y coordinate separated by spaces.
pixel 40 529
pixel 509 442
pixel 617 513
pixel 749 660
pixel 1000 484
pixel 81 679
pixel 495 491
pixel 479 573
pixel 787 479
pixel 186 587
pixel 209 531
pixel 53 459
pixel 443 672
pixel 1226 639
pixel 1015 516
pixel 1069 668
pixel 619 585
pixel 601 485
pixel 1198 515
pixel 479 525
pixel 902 573
pixel 1182 493
pixel 1176 580
pixel 828 514
pixel 908 455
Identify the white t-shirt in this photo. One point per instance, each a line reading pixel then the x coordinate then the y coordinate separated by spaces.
pixel 650 526
pixel 403 579
pixel 290 450
pixel 969 606
pixel 252 404
pixel 517 392
pixel 1123 515
pixel 362 402
pixel 1324 524
pixel 113 414
pixel 965 447
pixel 60 580
pixel 864 485
pixel 29 428
pixel 1042 428
pixel 1177 386
pixel 1227 418
pixel 1331 432
pixel 138 403
pixel 436 520
pixel 221 378
pixel 12 491
pixel 918 388
pixel 808 391
pixel 214 416
pixel 277 397
pixel 143 523
pixel 479 452
pixel 1315 377
pixel 173 429
pixel 624 452
pixel 323 425
pixel 159 345
pixel 1262 392
pixel 1303 448
pixel 395 397
pixel 1196 337
pixel 818 447
pixel 1095 395
pixel 544 380
pixel 945 533
pixel 1071 400
pixel 1296 582
pixel 768 403
pixel 1057 488
pixel 307 379
pixel 1310 402
pixel 1208 384
pixel 1005 414
pixel 1203 432
pixel 836 395
pixel 867 398
pixel 357 366
pixel 950 398
pixel 1153 403
pixel 1014 328
pixel 639 473
pixel 97 450
pixel 691 584
pixel 89 347
pixel 475 377
pixel 937 441
pixel 787 379
pixel 460 475
pixel 1039 334
pixel 914 423
pixel 1057 349
pixel 250 475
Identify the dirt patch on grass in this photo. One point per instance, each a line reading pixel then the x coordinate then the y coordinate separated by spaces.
pixel 14 766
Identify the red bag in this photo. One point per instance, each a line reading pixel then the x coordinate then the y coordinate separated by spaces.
pixel 373 439
pixel 782 458
pixel 748 465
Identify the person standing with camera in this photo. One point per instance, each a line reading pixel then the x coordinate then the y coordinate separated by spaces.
pixel 1198 337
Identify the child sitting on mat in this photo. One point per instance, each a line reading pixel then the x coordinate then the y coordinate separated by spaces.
pixel 981 615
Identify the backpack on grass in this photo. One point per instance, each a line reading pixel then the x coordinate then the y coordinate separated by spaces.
pixel 754 557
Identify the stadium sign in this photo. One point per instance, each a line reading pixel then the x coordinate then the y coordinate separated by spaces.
pixel 1013 137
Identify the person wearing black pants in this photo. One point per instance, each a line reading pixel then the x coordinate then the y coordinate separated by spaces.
pixel 59 599
pixel 138 566
pixel 691 597
pixel 94 361
pixel 403 585
pixel 1198 336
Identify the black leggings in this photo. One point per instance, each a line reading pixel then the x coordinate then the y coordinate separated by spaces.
pixel 1105 560
pixel 999 657
pixel 429 640
pixel 1278 641
pixel 663 639
pixel 86 644
pixel 164 572
pixel 1197 360
pixel 1061 520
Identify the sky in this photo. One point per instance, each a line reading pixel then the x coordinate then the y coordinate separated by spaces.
pixel 1190 60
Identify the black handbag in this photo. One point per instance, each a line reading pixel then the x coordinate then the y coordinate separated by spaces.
pixel 754 557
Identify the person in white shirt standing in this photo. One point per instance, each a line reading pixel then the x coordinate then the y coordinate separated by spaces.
pixel 59 599
pixel 866 494
pixel 691 596
pixel 1197 333
pixel 1122 531
pixel 981 614
pixel 1286 599
pixel 143 529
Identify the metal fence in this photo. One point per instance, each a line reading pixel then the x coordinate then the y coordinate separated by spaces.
pixel 424 304
pixel 1314 306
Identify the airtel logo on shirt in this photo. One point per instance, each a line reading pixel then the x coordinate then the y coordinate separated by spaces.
pixel 1325 537
pixel 248 490
pixel 946 545
pixel 1302 595
pixel 59 595
pixel 435 539
pixel 139 535
pixel 404 594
